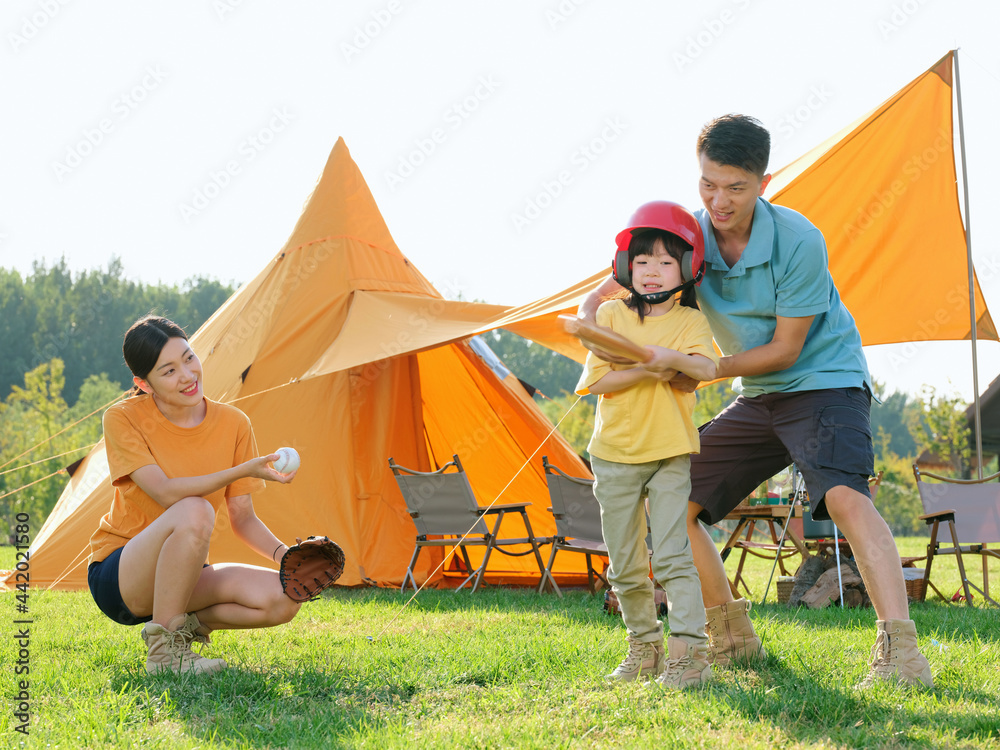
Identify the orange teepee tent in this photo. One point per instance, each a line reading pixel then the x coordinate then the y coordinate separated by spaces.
pixel 341 349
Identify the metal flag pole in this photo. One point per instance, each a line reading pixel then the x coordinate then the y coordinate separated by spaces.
pixel 972 286
pixel 836 555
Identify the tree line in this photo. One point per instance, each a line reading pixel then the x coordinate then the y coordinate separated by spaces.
pixel 62 359
pixel 81 318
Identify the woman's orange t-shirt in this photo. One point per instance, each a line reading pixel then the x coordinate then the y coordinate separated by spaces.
pixel 137 434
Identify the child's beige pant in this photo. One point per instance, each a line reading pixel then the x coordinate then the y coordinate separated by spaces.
pixel 619 490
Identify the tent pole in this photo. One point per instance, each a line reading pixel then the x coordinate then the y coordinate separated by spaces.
pixel 972 287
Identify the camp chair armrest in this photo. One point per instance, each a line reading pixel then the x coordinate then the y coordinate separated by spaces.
pixel 508 506
pixel 956 480
pixel 940 515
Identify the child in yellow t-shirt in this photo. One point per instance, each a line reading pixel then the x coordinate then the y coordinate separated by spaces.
pixel 175 458
pixel 643 437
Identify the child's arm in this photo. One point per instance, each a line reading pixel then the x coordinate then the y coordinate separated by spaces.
pixel 619 380
pixel 696 366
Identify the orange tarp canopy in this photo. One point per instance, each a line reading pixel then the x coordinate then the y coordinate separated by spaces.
pixel 883 192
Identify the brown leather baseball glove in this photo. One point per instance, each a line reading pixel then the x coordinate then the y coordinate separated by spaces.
pixel 309 567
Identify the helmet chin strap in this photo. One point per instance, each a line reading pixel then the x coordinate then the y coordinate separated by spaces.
pixel 657 297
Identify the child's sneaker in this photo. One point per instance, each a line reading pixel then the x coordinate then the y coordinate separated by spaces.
pixel 687 665
pixel 644 660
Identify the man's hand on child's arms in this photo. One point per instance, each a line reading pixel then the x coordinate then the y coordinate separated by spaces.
pixel 694 365
pixel 684 383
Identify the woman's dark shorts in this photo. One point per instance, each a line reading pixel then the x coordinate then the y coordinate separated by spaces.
pixel 102 577
pixel 827 434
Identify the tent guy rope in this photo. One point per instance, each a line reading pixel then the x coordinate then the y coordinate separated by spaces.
pixel 64 429
pixel 49 458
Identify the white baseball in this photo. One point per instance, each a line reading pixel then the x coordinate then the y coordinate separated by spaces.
pixel 287 461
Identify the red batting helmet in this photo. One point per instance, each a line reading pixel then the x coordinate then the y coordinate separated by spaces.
pixel 670 217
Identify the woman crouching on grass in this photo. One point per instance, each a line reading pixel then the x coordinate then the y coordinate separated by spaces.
pixel 174 458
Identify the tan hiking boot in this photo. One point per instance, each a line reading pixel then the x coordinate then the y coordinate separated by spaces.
pixel 687 665
pixel 644 660
pixel 169 648
pixel 895 657
pixel 198 633
pixel 731 636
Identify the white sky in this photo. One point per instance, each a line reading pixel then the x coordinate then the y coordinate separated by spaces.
pixel 463 116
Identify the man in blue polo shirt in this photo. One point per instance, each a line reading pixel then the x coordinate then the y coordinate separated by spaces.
pixel 805 394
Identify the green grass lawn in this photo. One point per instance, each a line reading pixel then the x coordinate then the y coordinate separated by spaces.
pixel 499 668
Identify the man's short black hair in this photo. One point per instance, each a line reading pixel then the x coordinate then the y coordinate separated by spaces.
pixel 736 141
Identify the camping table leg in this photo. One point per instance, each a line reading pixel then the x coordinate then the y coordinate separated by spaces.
pixel 728 547
pixel 799 544
pixel 791 537
pixel 738 578
pixel 774 540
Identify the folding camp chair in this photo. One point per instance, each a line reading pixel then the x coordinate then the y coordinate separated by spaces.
pixel 578 524
pixel 971 510
pixel 442 505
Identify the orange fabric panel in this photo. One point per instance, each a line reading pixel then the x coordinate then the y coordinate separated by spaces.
pixel 344 426
pixel 494 433
pixel 884 195
pixel 383 324
pixel 65 535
